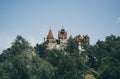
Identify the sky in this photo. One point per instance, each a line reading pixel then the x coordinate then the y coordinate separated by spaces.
pixel 32 19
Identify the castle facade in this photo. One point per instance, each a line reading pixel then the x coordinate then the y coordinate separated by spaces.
pixel 61 42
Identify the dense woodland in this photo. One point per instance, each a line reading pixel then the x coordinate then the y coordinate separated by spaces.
pixel 99 61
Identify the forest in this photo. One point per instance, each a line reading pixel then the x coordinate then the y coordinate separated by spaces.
pixel 98 61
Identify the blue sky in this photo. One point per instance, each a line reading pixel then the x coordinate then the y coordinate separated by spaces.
pixel 33 18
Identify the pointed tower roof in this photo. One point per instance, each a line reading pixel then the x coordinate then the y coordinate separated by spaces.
pixel 62 28
pixel 50 35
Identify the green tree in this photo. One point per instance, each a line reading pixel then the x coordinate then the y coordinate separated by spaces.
pixel 41 49
pixel 68 66
pixel 107 54
pixel 110 64
pixel 22 62
pixel 72 46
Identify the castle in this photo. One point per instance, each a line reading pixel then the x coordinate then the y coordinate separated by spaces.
pixel 61 42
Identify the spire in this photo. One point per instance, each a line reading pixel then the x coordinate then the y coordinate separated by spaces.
pixel 50 35
pixel 62 27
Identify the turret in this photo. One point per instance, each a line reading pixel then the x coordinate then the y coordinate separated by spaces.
pixel 62 34
pixel 50 41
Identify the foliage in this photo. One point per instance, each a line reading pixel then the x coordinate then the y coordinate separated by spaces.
pixel 72 46
pixel 68 66
pixel 107 54
pixel 41 49
pixel 99 61
pixel 21 62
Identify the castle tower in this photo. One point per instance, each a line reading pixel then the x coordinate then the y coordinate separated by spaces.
pixel 50 40
pixel 50 35
pixel 62 35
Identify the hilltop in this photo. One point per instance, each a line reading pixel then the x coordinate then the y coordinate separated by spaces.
pixel 99 61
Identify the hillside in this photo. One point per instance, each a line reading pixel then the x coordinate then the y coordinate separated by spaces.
pixel 99 61
pixel 21 62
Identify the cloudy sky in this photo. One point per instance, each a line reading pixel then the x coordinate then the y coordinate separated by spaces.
pixel 33 18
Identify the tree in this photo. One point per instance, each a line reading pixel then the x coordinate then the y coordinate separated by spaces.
pixel 110 64
pixel 68 66
pixel 41 49
pixel 107 54
pixel 72 46
pixel 22 62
